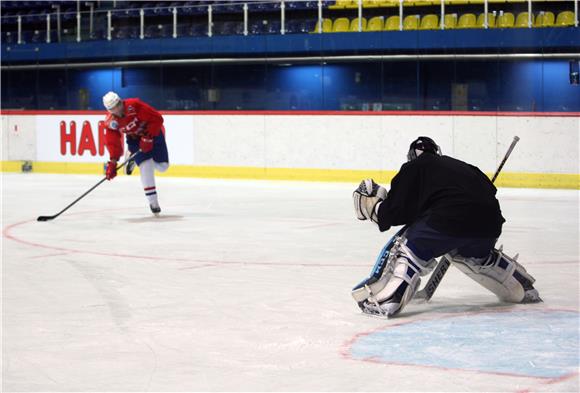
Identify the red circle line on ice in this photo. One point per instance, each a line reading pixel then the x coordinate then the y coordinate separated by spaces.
pixel 8 234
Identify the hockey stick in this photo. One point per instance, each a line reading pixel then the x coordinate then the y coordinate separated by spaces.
pixel 511 148
pixel 48 218
pixel 435 279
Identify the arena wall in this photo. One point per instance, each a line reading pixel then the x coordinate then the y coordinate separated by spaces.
pixel 312 146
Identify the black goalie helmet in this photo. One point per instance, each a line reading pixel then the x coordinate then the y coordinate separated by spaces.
pixel 420 145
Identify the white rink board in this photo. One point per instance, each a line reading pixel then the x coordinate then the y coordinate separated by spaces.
pixel 19 137
pixel 375 142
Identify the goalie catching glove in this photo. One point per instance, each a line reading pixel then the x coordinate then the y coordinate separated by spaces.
pixel 366 197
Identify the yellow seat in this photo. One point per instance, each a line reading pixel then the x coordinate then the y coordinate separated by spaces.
pixel 354 25
pixel 490 20
pixel 545 19
pixel 467 21
pixel 376 24
pixel 429 22
pixel 352 4
pixel 523 19
pixel 371 3
pixel 450 21
pixel 326 26
pixel 418 2
pixel 411 22
pixel 506 20
pixel 342 4
pixel 340 25
pixel 388 3
pixel 392 23
pixel 565 18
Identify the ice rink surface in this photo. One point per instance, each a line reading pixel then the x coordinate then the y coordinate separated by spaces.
pixel 245 286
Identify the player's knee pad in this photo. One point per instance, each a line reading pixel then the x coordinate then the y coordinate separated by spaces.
pixel 147 164
pixel 500 274
pixel 399 283
pixel 161 166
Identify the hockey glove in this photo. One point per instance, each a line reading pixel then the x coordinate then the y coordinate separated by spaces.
pixel 366 197
pixel 146 144
pixel 111 170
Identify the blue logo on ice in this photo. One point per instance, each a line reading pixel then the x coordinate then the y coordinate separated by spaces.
pixel 531 343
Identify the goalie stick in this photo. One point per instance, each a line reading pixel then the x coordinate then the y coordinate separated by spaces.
pixel 48 218
pixel 435 279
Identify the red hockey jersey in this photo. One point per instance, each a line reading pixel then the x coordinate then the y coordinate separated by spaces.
pixel 139 120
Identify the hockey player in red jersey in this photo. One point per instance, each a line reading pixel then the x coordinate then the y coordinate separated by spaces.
pixel 143 129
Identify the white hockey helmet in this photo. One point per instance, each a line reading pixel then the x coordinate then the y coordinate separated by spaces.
pixel 111 100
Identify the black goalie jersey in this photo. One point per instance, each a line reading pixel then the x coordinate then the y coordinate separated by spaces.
pixel 456 198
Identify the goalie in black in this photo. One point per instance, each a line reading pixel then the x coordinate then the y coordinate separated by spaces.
pixel 449 208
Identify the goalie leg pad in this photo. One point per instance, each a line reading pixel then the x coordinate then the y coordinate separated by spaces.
pixel 380 273
pixel 399 284
pixel 501 275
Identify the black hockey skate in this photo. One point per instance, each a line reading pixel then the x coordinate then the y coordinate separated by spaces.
pixel 130 166
pixel 155 209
